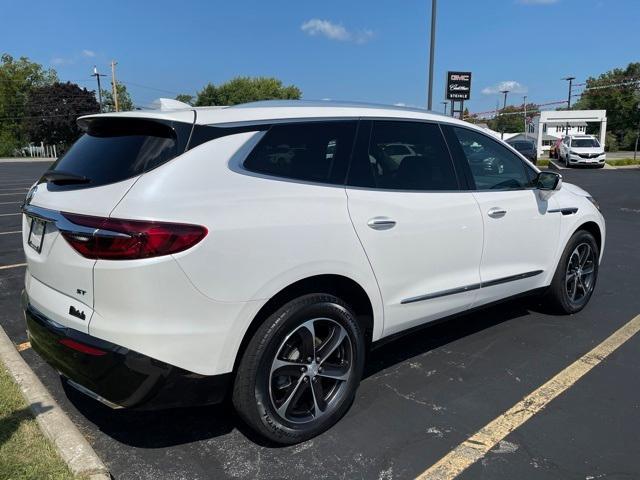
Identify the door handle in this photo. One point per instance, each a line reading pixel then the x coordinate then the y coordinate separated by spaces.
pixel 381 223
pixel 496 212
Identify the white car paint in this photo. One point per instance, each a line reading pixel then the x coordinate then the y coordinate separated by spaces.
pixel 192 309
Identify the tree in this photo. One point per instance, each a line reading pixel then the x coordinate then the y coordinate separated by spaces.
pixel 511 119
pixel 185 98
pixel 620 101
pixel 246 89
pixel 51 112
pixel 17 79
pixel 125 103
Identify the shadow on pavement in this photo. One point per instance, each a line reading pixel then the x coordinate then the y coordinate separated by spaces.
pixel 165 428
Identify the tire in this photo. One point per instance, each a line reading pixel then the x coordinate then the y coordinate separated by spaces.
pixel 574 281
pixel 315 400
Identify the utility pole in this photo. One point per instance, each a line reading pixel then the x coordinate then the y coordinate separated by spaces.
pixel 432 54
pixel 504 92
pixel 445 107
pixel 98 75
pixel 570 80
pixel 114 85
pixel 524 104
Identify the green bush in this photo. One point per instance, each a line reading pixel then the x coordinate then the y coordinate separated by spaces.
pixel 611 142
pixel 8 144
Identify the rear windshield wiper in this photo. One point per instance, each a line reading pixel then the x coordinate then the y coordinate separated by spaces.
pixel 60 177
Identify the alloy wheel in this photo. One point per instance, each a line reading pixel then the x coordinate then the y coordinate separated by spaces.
pixel 580 274
pixel 310 371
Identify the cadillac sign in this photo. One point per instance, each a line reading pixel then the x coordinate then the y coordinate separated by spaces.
pixel 458 85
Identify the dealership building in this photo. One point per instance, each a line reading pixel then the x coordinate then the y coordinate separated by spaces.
pixel 546 128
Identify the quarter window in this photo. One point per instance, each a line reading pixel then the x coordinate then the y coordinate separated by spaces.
pixel 313 151
pixel 404 155
pixel 493 166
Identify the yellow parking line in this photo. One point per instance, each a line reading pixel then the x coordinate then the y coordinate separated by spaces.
pixel 480 443
pixel 9 233
pixel 16 265
pixel 21 347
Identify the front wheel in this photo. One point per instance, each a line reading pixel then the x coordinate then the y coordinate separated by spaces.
pixel 576 274
pixel 300 371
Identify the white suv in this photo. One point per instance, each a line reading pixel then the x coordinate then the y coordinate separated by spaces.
pixel 262 249
pixel 582 149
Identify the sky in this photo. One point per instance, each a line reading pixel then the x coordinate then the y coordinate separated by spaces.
pixel 373 51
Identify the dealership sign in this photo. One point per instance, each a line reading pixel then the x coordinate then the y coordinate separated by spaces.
pixel 458 85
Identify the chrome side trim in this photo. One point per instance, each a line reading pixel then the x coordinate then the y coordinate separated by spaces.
pixel 474 286
pixel 511 278
pixel 564 211
pixel 442 293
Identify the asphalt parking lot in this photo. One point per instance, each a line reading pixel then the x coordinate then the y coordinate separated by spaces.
pixel 422 394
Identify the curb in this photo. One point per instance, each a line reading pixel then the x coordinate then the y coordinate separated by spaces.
pixel 72 447
pixel 27 160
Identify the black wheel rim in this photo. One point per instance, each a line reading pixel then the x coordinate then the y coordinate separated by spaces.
pixel 310 371
pixel 580 275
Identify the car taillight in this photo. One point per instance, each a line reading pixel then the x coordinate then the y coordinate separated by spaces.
pixel 116 239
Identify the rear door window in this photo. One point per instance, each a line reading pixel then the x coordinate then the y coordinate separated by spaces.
pixel 114 149
pixel 404 155
pixel 311 151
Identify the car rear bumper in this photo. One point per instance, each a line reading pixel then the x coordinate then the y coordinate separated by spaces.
pixel 117 376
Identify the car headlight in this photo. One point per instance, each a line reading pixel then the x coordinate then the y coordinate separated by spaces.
pixel 573 153
pixel 595 204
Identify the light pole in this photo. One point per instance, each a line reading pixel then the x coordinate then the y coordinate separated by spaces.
pixel 98 75
pixel 504 92
pixel 524 104
pixel 445 107
pixel 432 54
pixel 570 80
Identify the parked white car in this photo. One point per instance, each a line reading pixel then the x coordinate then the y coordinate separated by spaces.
pixel 582 150
pixel 262 249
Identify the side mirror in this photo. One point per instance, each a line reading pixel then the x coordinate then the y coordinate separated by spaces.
pixel 547 183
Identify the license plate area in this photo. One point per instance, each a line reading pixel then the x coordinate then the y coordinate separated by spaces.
pixel 36 234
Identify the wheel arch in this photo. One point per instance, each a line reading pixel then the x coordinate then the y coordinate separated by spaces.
pixel 594 229
pixel 341 286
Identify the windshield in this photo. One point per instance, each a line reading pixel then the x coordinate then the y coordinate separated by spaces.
pixel 522 146
pixel 585 142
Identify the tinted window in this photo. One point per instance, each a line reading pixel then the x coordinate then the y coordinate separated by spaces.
pixel 404 156
pixel 492 165
pixel 113 150
pixel 585 143
pixel 314 151
pixel 522 146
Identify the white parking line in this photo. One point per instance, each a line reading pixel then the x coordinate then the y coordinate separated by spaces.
pixel 9 203
pixel 17 193
pixel 15 265
pixel 13 189
pixel 10 233
pixel 9 214
pixel 479 444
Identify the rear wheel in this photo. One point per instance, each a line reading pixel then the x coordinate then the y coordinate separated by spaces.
pixel 300 371
pixel 576 274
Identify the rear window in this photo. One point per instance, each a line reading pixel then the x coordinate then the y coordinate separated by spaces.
pixel 114 149
pixel 313 151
